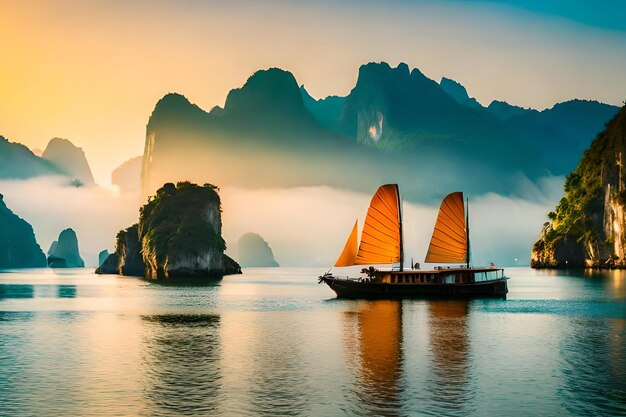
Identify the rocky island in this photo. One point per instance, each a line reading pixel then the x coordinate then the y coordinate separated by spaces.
pixel 254 251
pixel 18 247
pixel 178 237
pixel 64 253
pixel 588 228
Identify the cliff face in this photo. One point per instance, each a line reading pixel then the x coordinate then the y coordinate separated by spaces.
pixel 128 252
pixel 18 247
pixel 588 226
pixel 178 237
pixel 254 251
pixel 70 159
pixel 102 256
pixel 181 233
pixel 65 253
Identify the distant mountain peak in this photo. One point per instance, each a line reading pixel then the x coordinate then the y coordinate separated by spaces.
pixel 174 108
pixel 458 92
pixel 70 158
pixel 270 90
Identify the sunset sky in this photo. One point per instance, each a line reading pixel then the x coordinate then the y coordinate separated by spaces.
pixel 92 71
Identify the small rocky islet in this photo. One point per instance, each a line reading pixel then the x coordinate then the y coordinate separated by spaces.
pixel 178 238
pixel 64 252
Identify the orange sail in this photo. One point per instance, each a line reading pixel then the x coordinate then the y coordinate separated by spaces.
pixel 348 255
pixel 380 240
pixel 449 241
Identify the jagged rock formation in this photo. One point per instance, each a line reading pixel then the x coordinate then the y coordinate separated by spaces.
pixel 102 256
pixel 588 227
pixel 128 251
pixel 504 111
pixel 64 252
pixel 52 247
pixel 71 159
pixel 327 110
pixel 459 93
pixel 128 176
pixel 18 162
pixel 178 237
pixel 396 123
pixel 109 266
pixel 127 258
pixel 254 251
pixel 18 247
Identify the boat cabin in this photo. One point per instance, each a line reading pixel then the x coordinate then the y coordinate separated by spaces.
pixel 437 276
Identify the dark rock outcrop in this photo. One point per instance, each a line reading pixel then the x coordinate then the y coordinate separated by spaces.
pixel 588 228
pixel 178 238
pixel 459 93
pixel 504 111
pixel 129 253
pixel 65 253
pixel 18 247
pixel 102 256
pixel 254 251
pixel 181 233
pixel 109 266
pixel 71 159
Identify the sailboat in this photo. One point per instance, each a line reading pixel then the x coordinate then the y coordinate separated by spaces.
pixel 381 244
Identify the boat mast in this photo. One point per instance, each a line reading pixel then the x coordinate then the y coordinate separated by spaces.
pixel 400 222
pixel 467 233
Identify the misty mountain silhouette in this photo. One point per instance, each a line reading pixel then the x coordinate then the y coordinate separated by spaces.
pixel 18 162
pixel 504 111
pixel 70 158
pixel 459 93
pixel 18 247
pixel 396 125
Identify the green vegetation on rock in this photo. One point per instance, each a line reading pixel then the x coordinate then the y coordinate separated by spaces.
pixel 174 220
pixel 587 227
pixel 178 237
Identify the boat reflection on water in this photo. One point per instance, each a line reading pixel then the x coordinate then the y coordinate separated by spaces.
pixel 377 361
pixel 378 356
pixel 449 351
pixel 181 364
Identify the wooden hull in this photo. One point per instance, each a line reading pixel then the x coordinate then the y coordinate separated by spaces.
pixel 355 289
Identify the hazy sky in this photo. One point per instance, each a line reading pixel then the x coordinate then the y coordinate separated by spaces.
pixel 92 72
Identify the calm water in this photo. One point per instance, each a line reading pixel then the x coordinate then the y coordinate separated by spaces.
pixel 273 342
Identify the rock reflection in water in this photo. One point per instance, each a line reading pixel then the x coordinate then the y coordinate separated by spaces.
pixel 449 346
pixel 378 345
pixel 66 291
pixel 181 361
pixel 9 291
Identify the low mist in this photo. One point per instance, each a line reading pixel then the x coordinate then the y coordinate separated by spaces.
pixel 308 226
pixel 305 226
pixel 50 205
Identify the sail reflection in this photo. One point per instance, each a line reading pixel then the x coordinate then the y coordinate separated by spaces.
pixel 449 346
pixel 181 361
pixel 378 356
